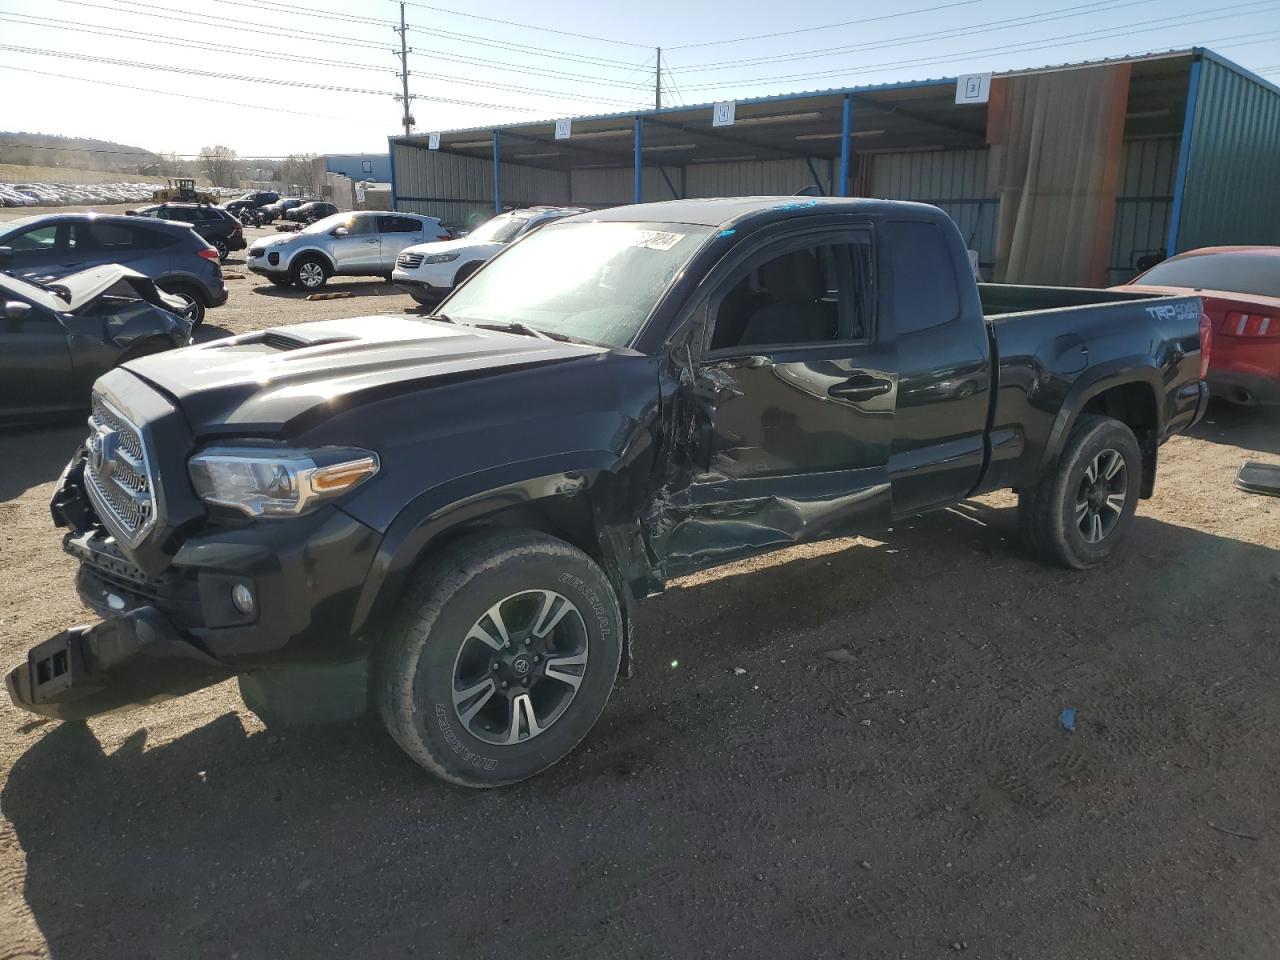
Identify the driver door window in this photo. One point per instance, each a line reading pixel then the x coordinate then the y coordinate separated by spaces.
pixel 810 294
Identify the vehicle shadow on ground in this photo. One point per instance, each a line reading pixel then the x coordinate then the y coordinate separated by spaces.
pixel 210 331
pixel 721 801
pixel 1253 428
pixel 354 287
pixel 30 457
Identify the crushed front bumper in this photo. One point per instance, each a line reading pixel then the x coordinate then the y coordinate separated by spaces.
pixel 123 662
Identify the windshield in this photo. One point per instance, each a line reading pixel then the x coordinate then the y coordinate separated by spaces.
pixel 328 223
pixel 498 230
pixel 596 282
pixel 1239 272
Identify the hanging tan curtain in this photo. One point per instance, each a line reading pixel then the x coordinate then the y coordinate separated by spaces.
pixel 1056 141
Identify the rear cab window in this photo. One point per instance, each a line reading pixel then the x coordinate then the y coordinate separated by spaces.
pixel 918 275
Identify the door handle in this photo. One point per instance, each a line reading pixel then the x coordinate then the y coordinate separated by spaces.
pixel 860 387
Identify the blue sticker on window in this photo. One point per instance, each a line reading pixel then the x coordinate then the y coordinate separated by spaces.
pixel 726 233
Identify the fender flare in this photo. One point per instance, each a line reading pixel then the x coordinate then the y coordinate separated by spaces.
pixel 433 513
pixel 311 252
pixel 1105 376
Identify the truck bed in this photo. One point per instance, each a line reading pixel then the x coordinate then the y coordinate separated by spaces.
pixel 1053 346
pixel 1001 299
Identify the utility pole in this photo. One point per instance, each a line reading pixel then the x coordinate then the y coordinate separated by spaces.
pixel 657 83
pixel 404 74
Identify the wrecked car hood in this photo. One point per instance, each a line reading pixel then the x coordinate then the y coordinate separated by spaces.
pixel 259 382
pixel 80 290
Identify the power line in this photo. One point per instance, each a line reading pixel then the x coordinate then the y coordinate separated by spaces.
pixel 154 11
pixel 530 26
pixel 1062 13
pixel 536 71
pixel 825 26
pixel 98 29
pixel 102 30
pixel 300 84
pixel 1064 40
pixel 186 96
pixel 606 62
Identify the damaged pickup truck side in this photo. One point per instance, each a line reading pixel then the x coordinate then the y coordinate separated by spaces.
pixel 472 502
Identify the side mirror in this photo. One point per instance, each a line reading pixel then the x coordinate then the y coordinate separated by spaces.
pixel 15 311
pixel 339 232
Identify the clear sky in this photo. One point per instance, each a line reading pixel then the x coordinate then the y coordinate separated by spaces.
pixel 554 58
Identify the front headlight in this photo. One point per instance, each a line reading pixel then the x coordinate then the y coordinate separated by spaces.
pixel 270 482
pixel 442 258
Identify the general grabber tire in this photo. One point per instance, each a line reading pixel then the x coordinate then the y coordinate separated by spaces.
pixel 1079 514
pixel 501 657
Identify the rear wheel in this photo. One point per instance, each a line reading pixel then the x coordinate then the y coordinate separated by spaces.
pixel 194 309
pixel 310 273
pixel 501 658
pixel 221 247
pixel 1077 516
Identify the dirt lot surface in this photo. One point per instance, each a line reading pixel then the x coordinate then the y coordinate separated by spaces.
pixel 749 793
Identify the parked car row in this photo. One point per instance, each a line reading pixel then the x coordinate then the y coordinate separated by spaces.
pixel 221 229
pixel 50 246
pixel 66 194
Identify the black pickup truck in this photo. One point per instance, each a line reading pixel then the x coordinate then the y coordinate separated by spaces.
pixel 471 503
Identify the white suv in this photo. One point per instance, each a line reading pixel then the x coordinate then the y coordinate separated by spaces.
pixel 429 271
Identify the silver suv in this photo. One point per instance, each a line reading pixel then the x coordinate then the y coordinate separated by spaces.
pixel 364 243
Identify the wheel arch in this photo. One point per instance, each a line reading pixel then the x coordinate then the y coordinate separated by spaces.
pixel 315 252
pixel 583 507
pixel 1120 391
pixel 467 271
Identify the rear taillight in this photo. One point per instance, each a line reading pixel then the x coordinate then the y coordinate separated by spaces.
pixel 1240 324
pixel 208 253
pixel 1206 344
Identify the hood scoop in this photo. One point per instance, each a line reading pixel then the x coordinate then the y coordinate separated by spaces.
pixel 290 340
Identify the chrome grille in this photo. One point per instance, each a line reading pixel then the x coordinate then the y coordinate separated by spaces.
pixel 117 474
pixel 410 261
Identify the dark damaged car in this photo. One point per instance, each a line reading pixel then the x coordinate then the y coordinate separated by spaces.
pixel 473 502
pixel 56 339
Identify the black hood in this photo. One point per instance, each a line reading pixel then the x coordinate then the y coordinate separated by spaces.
pixel 263 383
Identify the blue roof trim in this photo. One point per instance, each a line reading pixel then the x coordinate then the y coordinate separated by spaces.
pixel 1222 61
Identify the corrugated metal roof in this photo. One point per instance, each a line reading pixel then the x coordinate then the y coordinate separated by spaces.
pixel 834 92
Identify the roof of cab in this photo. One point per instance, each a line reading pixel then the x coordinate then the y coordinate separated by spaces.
pixel 722 211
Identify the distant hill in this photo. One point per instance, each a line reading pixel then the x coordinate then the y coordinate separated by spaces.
pixel 81 153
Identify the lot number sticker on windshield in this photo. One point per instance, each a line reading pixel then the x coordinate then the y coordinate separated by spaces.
pixel 656 239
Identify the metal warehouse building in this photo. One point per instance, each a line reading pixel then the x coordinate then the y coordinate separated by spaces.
pixel 1065 175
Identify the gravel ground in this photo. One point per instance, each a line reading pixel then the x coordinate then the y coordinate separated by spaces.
pixel 912 796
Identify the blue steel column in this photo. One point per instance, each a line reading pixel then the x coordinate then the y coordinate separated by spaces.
pixel 1184 157
pixel 846 128
pixel 639 169
pixel 497 176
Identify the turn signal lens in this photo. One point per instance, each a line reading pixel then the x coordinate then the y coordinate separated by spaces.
pixel 343 476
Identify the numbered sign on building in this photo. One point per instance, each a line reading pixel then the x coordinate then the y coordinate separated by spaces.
pixel 722 113
pixel 433 141
pixel 973 88
pixel 563 129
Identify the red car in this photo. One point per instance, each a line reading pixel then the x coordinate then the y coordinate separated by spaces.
pixel 1240 287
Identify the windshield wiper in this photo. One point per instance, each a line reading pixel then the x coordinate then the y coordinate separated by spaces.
pixel 515 326
pixel 442 317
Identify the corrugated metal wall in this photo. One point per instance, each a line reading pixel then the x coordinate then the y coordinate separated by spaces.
pixel 459 189
pixel 1232 188
pixel 955 180
pixel 744 178
pixel 752 178
pixel 1148 171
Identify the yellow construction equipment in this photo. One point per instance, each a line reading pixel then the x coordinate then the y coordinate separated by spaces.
pixel 182 190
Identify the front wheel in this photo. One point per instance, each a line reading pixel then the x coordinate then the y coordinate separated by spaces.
pixel 1078 515
pixel 502 657
pixel 310 273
